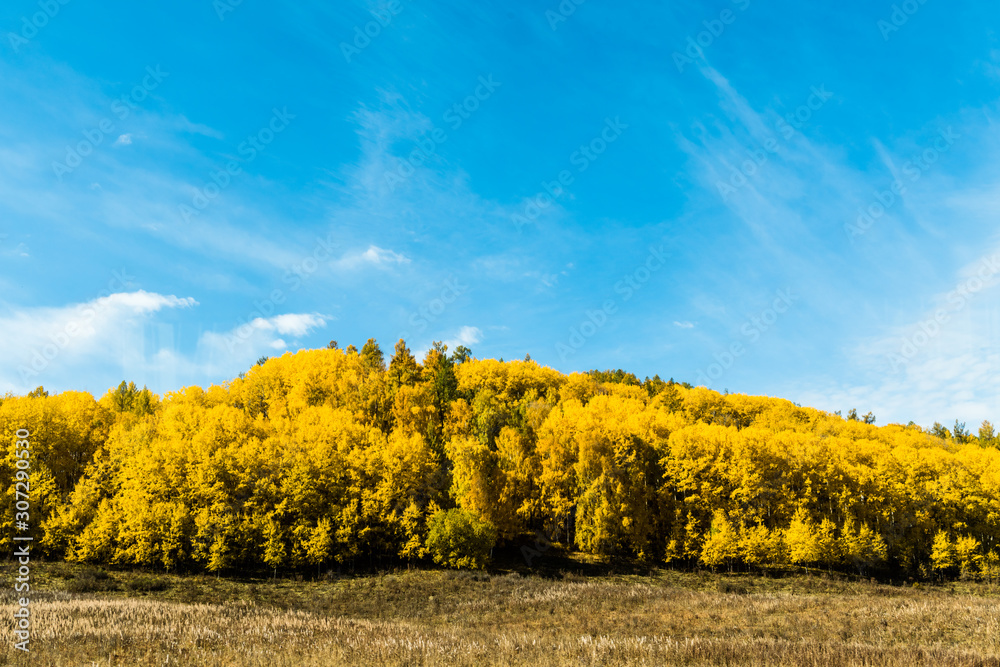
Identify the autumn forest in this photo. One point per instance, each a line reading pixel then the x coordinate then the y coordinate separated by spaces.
pixel 332 458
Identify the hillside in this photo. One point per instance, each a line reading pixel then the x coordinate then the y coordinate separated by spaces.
pixel 333 458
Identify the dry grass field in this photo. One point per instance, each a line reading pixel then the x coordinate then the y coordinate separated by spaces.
pixel 88 617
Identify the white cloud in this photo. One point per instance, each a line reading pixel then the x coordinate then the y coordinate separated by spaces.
pixel 56 344
pixel 142 301
pixel 145 195
pixel 94 345
pixel 222 356
pixel 373 256
pixel 294 324
pixel 466 336
pixel 684 325
pixel 20 251
pixel 232 351
pixel 945 365
pixel 184 125
pixel 849 327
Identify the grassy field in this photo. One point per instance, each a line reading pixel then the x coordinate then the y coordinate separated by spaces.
pixel 84 616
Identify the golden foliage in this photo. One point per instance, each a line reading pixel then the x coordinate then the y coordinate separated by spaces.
pixel 328 456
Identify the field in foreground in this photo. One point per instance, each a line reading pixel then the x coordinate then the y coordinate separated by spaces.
pixel 87 617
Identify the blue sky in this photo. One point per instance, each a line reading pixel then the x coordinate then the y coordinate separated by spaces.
pixel 186 188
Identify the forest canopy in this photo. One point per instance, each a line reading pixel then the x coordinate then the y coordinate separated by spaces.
pixel 334 456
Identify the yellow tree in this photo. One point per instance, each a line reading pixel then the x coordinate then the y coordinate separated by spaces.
pixel 967 555
pixel 558 454
pixel 478 483
pixel 723 543
pixel 862 546
pixel 942 552
pixel 757 545
pixel 803 541
pixel 827 544
pixel 617 476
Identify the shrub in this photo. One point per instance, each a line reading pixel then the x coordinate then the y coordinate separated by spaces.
pixel 458 538
pixel 92 581
pixel 147 584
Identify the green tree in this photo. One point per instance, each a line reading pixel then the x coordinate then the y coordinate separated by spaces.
pixel 372 357
pixel 987 435
pixel 439 373
pixel 458 538
pixel 123 398
pixel 461 354
pixel 960 434
pixel 403 368
pixel 940 431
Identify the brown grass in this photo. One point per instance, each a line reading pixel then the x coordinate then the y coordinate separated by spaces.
pixel 441 618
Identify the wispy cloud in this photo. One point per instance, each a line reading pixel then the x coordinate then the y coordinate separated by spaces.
pixel 776 196
pixel 373 256
pixel 466 336
pixel 20 250
pixel 184 125
pixel 226 353
pixel 291 324
pixel 121 336
pixel 943 365
pixel 53 344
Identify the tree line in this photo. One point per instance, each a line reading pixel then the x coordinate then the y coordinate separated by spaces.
pixel 334 456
